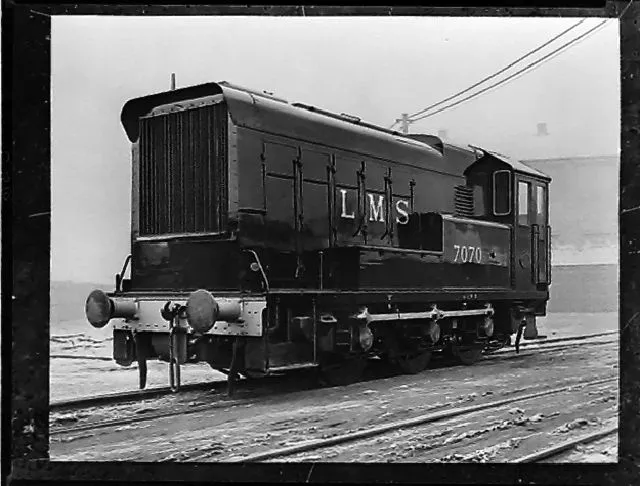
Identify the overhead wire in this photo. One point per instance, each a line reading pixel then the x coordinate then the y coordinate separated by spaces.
pixel 497 73
pixel 518 73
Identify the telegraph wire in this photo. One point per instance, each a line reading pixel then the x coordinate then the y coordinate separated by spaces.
pixel 625 10
pixel 509 66
pixel 511 77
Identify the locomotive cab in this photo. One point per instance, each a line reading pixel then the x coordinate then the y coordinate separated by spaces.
pixel 517 195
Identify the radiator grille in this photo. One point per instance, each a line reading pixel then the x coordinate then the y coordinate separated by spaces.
pixel 183 171
pixel 463 197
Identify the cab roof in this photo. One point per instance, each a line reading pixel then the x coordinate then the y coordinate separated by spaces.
pixel 512 163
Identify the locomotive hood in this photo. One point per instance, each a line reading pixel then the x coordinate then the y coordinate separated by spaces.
pixel 264 112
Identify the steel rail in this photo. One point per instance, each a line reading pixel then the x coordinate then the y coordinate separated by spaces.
pixel 564 446
pixel 182 409
pixel 80 356
pixel 408 423
pixel 146 417
pixel 542 348
pixel 124 397
pixel 567 338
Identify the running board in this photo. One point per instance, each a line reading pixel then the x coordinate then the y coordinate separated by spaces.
pixel 434 314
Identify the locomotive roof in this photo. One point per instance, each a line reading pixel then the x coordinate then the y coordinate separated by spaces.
pixel 265 112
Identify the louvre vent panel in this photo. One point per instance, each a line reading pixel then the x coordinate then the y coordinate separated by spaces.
pixel 183 171
pixel 463 201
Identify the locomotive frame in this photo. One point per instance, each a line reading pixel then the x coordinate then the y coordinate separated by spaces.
pixel 268 236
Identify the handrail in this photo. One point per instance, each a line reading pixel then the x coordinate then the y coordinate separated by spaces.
pixel 264 275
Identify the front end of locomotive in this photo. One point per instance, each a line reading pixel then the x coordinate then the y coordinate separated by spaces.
pixel 176 328
pixel 192 289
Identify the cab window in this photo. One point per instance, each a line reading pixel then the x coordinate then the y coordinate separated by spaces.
pixel 541 205
pixel 501 192
pixel 523 203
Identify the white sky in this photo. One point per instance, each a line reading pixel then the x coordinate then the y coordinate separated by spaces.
pixel 372 67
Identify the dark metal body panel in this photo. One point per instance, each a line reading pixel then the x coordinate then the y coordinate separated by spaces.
pixel 309 196
pixel 186 264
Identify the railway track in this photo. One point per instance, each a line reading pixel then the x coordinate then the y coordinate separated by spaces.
pixel 177 405
pixel 181 411
pixel 559 449
pixel 139 395
pixel 499 354
pixel 126 397
pixel 432 417
pixel 540 342
pixel 271 385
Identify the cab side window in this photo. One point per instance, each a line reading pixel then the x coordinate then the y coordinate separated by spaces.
pixel 523 203
pixel 541 205
pixel 501 192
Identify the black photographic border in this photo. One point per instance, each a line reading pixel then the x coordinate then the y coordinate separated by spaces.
pixel 26 204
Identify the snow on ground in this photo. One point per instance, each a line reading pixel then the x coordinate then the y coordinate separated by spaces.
pixel 566 324
pixel 70 378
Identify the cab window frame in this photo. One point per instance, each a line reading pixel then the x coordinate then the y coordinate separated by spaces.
pixel 527 206
pixel 507 197
pixel 542 208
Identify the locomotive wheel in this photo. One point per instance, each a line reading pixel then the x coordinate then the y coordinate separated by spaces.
pixel 467 355
pixel 414 362
pixel 342 371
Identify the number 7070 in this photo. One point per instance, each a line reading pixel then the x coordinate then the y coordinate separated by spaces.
pixel 466 254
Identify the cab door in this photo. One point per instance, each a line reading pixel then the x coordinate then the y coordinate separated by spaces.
pixel 524 234
pixel 531 259
pixel 541 236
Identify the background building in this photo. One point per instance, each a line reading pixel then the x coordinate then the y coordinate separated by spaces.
pixel 584 219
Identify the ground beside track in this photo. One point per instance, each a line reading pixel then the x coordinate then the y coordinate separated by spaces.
pixel 602 450
pixel 222 434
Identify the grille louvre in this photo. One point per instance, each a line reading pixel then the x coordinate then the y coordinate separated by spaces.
pixel 463 199
pixel 183 171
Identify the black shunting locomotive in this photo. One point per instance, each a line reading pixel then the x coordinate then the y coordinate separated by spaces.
pixel 268 235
